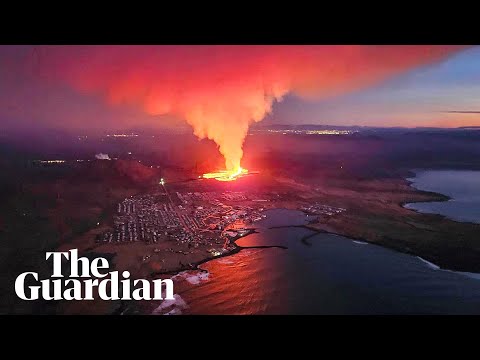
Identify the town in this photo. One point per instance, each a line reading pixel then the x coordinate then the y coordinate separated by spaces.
pixel 322 209
pixel 193 218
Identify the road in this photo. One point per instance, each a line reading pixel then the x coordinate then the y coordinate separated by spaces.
pixel 185 227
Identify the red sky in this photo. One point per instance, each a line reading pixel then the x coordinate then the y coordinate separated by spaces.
pixel 218 90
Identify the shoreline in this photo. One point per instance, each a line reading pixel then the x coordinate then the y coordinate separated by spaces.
pixel 125 305
pixel 237 248
pixel 443 198
pixel 406 250
pixel 445 262
pixel 366 241
pixel 432 263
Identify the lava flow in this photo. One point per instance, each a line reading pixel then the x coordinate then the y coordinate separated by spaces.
pixel 225 175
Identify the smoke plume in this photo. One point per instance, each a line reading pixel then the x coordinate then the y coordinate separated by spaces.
pixel 221 90
pixel 101 156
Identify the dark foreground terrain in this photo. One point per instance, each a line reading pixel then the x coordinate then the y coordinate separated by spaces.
pixel 61 206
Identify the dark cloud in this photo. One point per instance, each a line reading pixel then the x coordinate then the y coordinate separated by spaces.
pixel 461 112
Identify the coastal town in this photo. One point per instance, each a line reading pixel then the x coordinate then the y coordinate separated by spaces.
pixel 194 219
pixel 191 218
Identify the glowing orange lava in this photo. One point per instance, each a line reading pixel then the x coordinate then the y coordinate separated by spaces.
pixel 225 175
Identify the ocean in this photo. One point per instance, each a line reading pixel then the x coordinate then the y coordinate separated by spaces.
pixel 319 273
pixel 463 187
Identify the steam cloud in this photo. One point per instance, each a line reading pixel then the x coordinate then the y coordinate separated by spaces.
pixel 221 90
pixel 101 156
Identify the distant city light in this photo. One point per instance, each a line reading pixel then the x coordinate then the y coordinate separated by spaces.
pixel 122 135
pixel 310 132
pixel 51 161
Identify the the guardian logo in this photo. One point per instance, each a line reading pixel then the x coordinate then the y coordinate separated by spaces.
pixel 86 279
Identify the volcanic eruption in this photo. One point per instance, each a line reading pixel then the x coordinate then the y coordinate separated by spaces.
pixel 226 175
pixel 221 90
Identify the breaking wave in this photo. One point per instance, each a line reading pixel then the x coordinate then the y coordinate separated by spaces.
pixel 471 275
pixel 176 306
pixel 360 242
pixel 429 264
pixel 193 279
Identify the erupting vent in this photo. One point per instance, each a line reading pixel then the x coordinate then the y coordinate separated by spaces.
pixel 225 175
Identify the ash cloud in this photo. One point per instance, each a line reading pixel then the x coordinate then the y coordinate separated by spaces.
pixel 462 112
